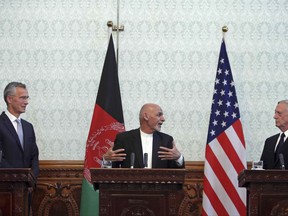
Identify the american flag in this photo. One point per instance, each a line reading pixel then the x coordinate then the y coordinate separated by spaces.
pixel 225 155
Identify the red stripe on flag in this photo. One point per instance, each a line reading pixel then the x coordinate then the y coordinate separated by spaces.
pixel 102 133
pixel 230 151
pixel 204 212
pixel 208 189
pixel 238 128
pixel 212 159
pixel 214 199
pixel 224 180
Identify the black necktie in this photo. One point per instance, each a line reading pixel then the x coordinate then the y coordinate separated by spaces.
pixel 279 147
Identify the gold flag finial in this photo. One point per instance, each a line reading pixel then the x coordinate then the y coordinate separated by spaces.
pixel 110 24
pixel 224 29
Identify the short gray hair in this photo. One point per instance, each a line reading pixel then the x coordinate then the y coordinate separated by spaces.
pixel 10 89
pixel 283 101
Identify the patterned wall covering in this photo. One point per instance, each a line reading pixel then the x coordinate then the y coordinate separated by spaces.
pixel 168 54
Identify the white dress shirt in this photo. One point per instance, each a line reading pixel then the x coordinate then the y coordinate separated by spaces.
pixel 12 119
pixel 286 135
pixel 147 146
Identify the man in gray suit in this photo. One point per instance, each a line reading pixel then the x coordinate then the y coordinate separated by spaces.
pixel 17 137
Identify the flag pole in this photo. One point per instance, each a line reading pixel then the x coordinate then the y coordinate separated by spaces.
pixel 117 46
pixel 110 26
pixel 117 28
pixel 224 30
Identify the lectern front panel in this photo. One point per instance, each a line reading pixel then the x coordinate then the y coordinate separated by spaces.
pixel 135 204
pixel 273 204
pixel 5 203
pixel 267 191
pixel 145 192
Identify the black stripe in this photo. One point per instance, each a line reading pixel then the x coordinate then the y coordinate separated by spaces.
pixel 109 97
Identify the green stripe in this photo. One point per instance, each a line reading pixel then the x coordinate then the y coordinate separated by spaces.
pixel 89 200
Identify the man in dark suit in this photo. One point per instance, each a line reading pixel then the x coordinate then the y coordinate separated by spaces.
pixel 159 147
pixel 18 151
pixel 276 145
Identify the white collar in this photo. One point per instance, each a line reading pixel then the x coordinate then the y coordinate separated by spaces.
pixel 11 116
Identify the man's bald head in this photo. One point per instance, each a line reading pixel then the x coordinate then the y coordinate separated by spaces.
pixel 151 118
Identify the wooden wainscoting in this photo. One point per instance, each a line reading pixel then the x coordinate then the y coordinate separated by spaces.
pixel 193 187
pixel 58 191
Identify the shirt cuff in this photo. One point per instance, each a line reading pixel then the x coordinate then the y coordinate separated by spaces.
pixel 180 160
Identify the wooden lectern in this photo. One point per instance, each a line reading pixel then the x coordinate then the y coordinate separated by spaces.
pixel 267 191
pixel 14 185
pixel 125 192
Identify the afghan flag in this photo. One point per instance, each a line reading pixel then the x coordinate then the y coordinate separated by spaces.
pixel 107 122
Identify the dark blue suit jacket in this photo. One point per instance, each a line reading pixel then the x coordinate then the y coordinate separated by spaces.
pixel 13 154
pixel 131 142
pixel 268 153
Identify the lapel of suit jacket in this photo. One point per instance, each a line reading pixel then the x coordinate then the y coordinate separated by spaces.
pixel 285 148
pixel 156 146
pixel 24 128
pixel 136 141
pixel 11 128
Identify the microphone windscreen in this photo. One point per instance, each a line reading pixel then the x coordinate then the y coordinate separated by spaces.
pixel 145 159
pixel 281 158
pixel 132 160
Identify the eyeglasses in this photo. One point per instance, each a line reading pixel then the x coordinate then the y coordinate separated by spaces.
pixel 22 98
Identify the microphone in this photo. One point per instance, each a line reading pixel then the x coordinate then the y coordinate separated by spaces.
pixel 281 158
pixel 132 159
pixel 145 160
